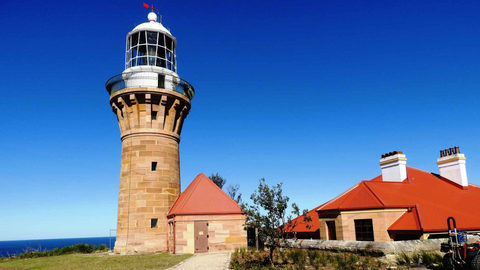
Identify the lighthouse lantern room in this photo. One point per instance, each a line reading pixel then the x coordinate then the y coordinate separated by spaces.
pixel 150 60
pixel 151 44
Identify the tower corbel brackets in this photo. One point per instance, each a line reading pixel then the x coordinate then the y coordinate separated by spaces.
pixel 182 115
pixel 161 111
pixel 148 109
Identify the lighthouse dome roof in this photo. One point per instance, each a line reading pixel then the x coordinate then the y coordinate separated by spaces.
pixel 152 25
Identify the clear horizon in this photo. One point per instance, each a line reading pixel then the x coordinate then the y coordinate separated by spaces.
pixel 310 94
pixel 57 238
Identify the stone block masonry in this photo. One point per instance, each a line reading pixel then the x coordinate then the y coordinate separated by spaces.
pixel 345 223
pixel 375 248
pixel 150 121
pixel 226 232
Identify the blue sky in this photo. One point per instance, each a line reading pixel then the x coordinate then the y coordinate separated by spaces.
pixel 308 93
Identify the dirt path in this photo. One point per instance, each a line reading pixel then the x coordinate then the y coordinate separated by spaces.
pixel 208 261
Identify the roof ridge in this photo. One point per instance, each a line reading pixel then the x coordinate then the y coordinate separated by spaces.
pixel 443 178
pixel 411 211
pixel 351 194
pixel 419 216
pixel 224 193
pixel 397 220
pixel 195 183
pixel 474 185
pixel 175 202
pixel 201 197
pixel 409 178
pixel 375 195
pixel 339 196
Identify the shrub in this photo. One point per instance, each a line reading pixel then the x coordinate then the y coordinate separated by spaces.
pixel 404 259
pixel 101 248
pixel 346 261
pixel 68 250
pixel 283 256
pixel 379 263
pixel 324 257
pixel 249 259
pixel 366 263
pixel 430 258
pixel 56 252
pixel 312 256
pixel 78 248
pixel 298 258
pixel 83 248
pixel 235 264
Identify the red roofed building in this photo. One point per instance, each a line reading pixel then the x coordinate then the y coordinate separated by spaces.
pixel 307 230
pixel 204 218
pixel 403 203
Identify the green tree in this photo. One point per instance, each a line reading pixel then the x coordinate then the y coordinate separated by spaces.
pixel 234 194
pixel 269 214
pixel 218 180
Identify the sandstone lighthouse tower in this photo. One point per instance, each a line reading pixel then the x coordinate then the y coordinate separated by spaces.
pixel 151 102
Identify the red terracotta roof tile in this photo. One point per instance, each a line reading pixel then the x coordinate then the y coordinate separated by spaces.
pixel 361 198
pixel 303 226
pixel 407 222
pixel 432 199
pixel 203 197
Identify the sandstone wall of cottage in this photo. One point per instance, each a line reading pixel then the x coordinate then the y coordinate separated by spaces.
pixel 345 223
pixel 226 232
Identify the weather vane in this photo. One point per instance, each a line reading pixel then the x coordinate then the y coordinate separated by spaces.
pixel 151 6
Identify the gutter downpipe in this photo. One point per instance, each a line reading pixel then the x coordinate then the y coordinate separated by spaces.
pixel 174 236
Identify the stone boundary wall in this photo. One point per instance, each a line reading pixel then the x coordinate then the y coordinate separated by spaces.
pixel 374 248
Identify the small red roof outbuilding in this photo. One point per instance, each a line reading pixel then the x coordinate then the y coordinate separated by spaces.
pixel 203 197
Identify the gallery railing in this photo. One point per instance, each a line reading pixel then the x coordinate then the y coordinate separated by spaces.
pixel 149 79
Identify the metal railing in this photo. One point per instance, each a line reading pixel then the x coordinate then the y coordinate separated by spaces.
pixel 111 230
pixel 121 81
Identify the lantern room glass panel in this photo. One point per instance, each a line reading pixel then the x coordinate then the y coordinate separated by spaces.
pixel 150 48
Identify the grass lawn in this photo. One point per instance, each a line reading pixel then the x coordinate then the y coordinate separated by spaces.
pixel 95 261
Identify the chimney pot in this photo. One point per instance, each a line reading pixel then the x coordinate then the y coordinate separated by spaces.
pixel 451 165
pixel 393 166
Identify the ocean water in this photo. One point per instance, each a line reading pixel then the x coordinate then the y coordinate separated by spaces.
pixel 9 248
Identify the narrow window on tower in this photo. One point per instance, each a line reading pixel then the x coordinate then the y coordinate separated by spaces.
pixel 154 166
pixel 154 115
pixel 161 81
pixel 154 223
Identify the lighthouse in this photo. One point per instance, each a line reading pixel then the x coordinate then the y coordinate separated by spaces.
pixel 151 103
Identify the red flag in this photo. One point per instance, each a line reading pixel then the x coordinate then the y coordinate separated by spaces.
pixel 146 6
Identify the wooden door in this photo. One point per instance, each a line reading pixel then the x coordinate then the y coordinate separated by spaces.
pixel 332 233
pixel 201 236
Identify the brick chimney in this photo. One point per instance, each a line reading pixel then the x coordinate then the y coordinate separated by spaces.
pixel 394 166
pixel 452 166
